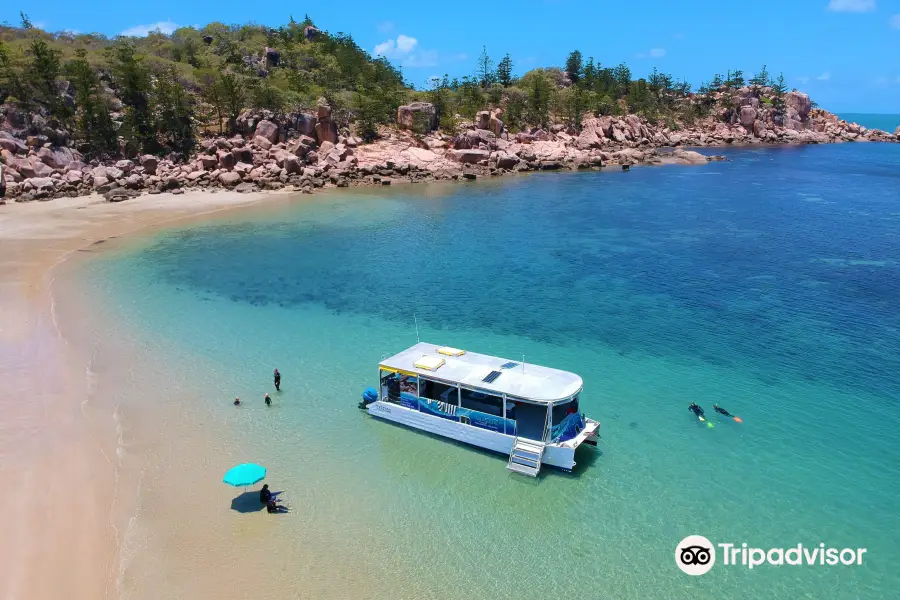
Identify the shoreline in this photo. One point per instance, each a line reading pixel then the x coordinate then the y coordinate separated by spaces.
pixel 60 463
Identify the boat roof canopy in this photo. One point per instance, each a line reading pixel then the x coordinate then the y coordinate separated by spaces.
pixel 483 372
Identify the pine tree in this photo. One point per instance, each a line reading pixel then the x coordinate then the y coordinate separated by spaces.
pixel 504 71
pixel 485 72
pixel 574 66
pixel 172 113
pixel 133 81
pixel 762 78
pixel 43 69
pixel 92 120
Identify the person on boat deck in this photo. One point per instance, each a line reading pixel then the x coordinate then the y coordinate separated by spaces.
pixel 268 400
pixel 265 494
pixel 277 381
pixel 696 409
pixel 237 401
pixel 721 410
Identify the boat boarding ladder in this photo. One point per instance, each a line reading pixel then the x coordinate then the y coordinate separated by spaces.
pixel 526 456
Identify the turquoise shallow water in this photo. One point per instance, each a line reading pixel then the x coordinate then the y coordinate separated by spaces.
pixel 768 284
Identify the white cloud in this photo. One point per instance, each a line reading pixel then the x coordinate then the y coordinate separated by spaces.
pixel 895 21
pixel 652 53
pixel 851 5
pixel 824 76
pixel 142 30
pixel 405 50
pixel 803 80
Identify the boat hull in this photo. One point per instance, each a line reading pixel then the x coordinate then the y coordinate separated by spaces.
pixel 556 456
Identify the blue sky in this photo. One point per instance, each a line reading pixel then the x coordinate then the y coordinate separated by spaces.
pixel 845 53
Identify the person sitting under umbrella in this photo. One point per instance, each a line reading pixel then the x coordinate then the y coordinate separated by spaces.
pixel 272 506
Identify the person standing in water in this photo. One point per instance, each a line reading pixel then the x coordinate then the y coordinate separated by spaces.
pixel 237 401
pixel 268 400
pixel 277 381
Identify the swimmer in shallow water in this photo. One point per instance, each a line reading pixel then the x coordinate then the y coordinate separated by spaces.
pixel 694 408
pixel 237 401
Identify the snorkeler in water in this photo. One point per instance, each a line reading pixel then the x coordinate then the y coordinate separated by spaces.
pixel 694 408
pixel 722 411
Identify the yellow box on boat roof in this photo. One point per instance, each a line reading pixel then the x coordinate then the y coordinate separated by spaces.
pixel 448 351
pixel 429 363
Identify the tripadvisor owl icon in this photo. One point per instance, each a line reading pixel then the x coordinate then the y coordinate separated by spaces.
pixel 695 555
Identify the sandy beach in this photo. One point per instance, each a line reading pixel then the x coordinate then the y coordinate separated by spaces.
pixel 65 509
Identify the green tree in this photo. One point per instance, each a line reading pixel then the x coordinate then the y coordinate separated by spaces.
pixel 43 70
pixel 11 83
pixel 133 81
pixel 173 113
pixel 622 76
pixel 504 71
pixel 92 120
pixel 539 90
pixel 485 69
pixel 762 78
pixel 737 79
pixel 574 66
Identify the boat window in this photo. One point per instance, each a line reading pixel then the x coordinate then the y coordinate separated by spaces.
pixel 482 402
pixel 561 411
pixel 435 390
pixel 390 386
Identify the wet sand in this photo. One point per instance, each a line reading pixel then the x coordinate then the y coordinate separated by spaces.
pixel 65 508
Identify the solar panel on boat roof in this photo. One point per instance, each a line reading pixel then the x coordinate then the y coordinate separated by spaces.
pixel 509 365
pixel 490 377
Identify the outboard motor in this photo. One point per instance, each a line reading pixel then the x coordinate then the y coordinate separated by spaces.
pixel 368 397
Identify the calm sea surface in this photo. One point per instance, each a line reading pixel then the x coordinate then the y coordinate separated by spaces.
pixel 768 284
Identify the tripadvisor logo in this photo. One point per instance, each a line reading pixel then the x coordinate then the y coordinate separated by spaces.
pixel 696 555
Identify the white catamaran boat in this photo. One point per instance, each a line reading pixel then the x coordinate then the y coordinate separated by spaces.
pixel 528 412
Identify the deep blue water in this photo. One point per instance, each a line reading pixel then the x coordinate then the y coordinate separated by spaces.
pixel 785 262
pixel 768 284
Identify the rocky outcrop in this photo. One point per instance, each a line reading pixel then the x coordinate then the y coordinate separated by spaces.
pixel 326 128
pixel 307 151
pixel 420 117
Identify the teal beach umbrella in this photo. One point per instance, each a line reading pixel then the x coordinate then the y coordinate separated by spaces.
pixel 244 475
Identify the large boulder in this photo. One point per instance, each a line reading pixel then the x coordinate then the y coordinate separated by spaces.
pixel 311 33
pixel 11 143
pixel 748 116
pixel 468 156
pixel 799 102
pixel 56 158
pixel 226 159
pixel 759 129
pixel 268 130
pixel 229 178
pixel 150 163
pixel 505 160
pixel 303 146
pixel 420 117
pixel 495 125
pixel 23 166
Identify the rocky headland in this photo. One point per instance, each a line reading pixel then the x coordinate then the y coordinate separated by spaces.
pixel 307 150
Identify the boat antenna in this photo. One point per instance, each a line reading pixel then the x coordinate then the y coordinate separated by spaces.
pixel 523 363
pixel 416 321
